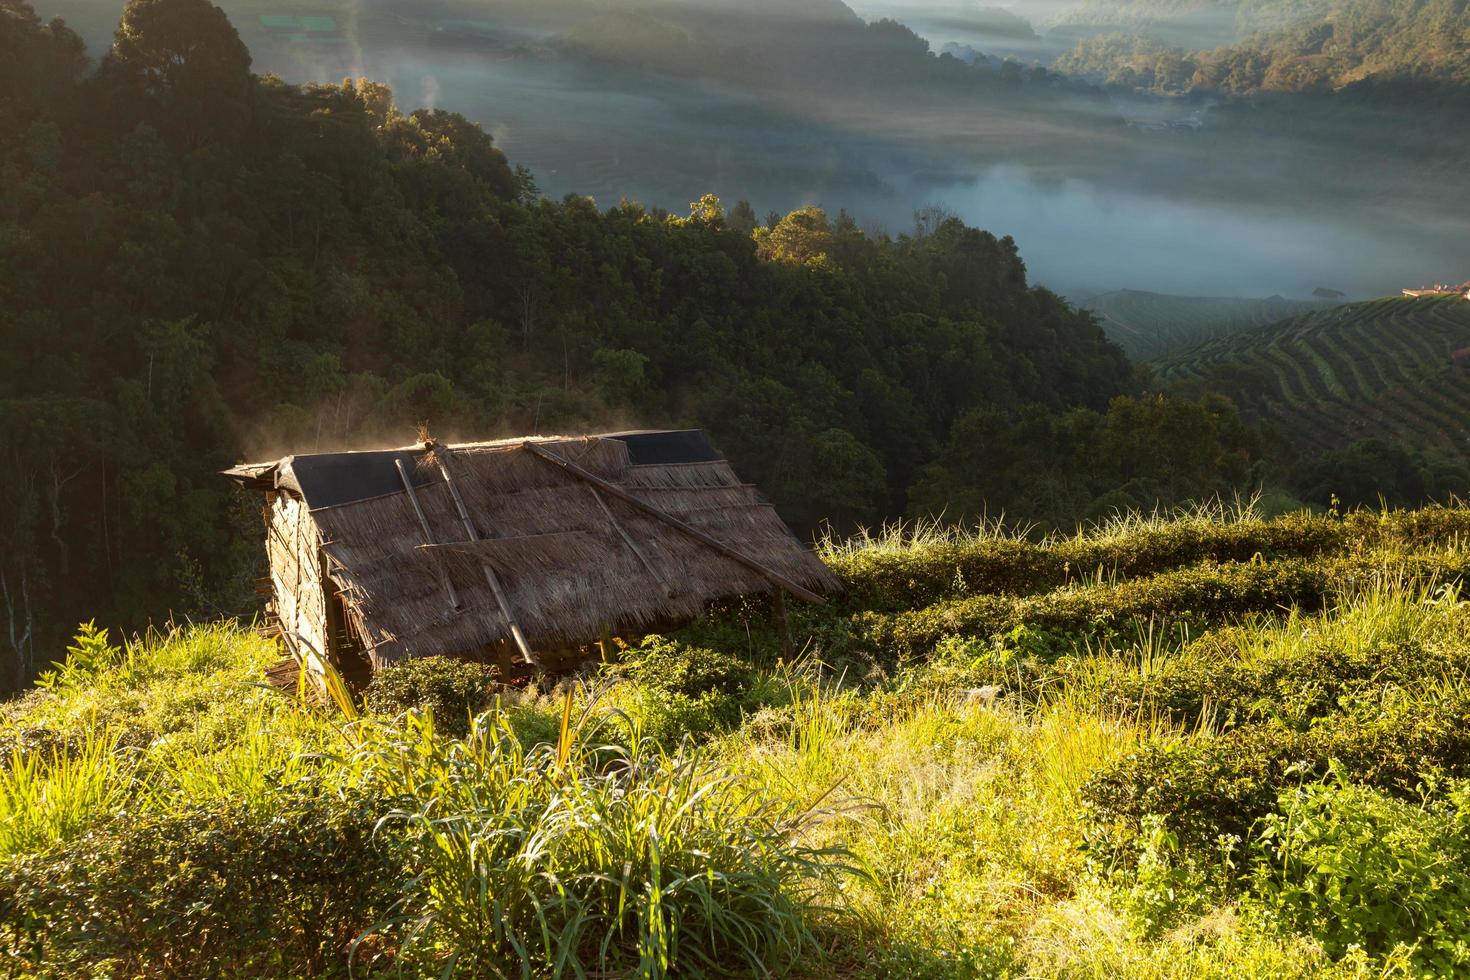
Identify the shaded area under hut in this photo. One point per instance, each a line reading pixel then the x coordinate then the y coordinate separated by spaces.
pixel 518 552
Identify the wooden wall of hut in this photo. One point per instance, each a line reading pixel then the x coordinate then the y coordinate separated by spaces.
pixel 296 570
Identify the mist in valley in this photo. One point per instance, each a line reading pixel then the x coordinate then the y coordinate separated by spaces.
pixel 1100 192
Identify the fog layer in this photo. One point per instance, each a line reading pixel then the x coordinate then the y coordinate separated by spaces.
pixel 1091 213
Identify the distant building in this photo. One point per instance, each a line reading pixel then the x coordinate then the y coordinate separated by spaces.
pixel 1441 289
pixel 1322 292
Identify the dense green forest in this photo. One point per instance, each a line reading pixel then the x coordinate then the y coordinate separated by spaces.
pixel 201 264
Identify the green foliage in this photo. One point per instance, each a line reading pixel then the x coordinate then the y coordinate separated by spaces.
pixel 675 668
pixel 1061 795
pixel 1294 46
pixel 679 691
pixel 50 797
pixel 1218 786
pixel 568 856
pixel 1198 595
pixel 203 890
pixel 452 689
pixel 1358 868
pixel 1141 454
pixel 932 564
pixel 1151 325
pixel 1162 886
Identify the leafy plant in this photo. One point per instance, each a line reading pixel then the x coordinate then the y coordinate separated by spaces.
pixel 48 798
pixel 89 654
pixel 1358 868
pixel 202 890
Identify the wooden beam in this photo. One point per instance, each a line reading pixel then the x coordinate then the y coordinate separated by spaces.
pixel 413 498
pixel 770 574
pixel 440 456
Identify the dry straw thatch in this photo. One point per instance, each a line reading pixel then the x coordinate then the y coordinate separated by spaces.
pixel 573 560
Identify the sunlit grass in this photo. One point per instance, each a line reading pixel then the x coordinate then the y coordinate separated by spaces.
pixel 47 798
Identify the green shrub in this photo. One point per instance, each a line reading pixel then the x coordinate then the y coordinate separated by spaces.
pixel 201 891
pixel 1201 594
pixel 1356 867
pixel 1214 786
pixel 674 668
pixel 89 655
pixel 686 691
pixel 451 688
pixel 1295 682
pixel 1196 596
pixel 1163 885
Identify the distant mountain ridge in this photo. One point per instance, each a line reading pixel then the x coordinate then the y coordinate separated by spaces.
pixel 1149 325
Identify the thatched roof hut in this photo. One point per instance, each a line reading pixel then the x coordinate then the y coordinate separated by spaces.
pixel 516 550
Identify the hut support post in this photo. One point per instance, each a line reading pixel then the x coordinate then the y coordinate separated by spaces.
pixel 490 577
pixel 772 575
pixel 783 625
pixel 413 498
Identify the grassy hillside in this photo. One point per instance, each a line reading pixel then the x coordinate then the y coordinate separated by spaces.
pixel 1376 369
pixel 1152 325
pixel 1154 749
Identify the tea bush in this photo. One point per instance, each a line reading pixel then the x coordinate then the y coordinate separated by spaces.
pixel 935 567
pixel 451 688
pixel 1201 594
pixel 1213 786
pixel 676 668
pixel 1196 596
pixel 681 691
pixel 1311 678
pixel 202 891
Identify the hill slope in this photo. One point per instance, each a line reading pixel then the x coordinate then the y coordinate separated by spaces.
pixel 1152 325
pixel 995 732
pixel 1383 368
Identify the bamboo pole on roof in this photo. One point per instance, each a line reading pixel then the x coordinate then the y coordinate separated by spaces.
pixel 440 454
pixel 632 546
pixel 413 498
pixel 776 578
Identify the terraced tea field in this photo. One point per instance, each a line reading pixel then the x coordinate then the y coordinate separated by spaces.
pixel 1149 326
pixel 1383 368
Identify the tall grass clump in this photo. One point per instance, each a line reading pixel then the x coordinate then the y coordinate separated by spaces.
pixel 568 858
pixel 48 798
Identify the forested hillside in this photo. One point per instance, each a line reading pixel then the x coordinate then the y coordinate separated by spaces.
pixel 1314 47
pixel 200 264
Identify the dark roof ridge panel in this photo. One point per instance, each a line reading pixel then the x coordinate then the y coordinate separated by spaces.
pixel 331 479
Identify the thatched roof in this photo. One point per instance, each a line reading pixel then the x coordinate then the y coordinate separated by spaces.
pixel 571 558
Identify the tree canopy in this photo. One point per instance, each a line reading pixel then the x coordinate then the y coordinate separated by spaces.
pixel 198 265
